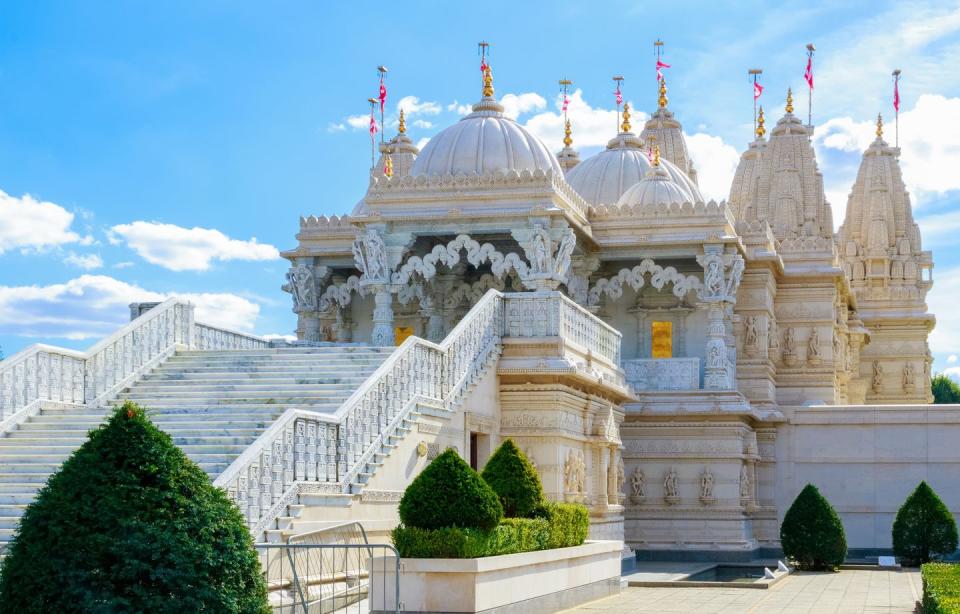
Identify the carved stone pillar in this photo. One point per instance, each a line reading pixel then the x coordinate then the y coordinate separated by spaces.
pixel 382 316
pixel 716 376
pixel 613 495
pixel 342 327
pixel 719 294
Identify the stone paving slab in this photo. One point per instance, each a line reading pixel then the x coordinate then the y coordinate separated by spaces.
pixel 845 592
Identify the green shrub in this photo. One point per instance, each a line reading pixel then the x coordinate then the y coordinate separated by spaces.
pixel 924 527
pixel 448 493
pixel 941 588
pixel 812 534
pixel 510 474
pixel 944 389
pixel 569 523
pixel 512 535
pixel 130 524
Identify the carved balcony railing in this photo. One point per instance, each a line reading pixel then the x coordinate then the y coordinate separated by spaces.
pixel 42 373
pixel 663 373
pixel 326 452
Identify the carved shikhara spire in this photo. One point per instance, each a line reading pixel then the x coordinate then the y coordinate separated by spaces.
pixel 761 130
pixel 402 129
pixel 662 100
pixel 879 126
pixel 625 126
pixel 567 140
pixel 789 100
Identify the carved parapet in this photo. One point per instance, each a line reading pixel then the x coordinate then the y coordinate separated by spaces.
pixel 663 373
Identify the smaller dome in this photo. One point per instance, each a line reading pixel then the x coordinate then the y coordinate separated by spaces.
pixel 656 188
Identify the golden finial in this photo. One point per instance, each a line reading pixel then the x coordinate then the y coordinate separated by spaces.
pixel 663 94
pixel 760 129
pixel 789 100
pixel 566 135
pixel 656 155
pixel 388 167
pixel 879 126
pixel 488 82
pixel 625 127
pixel 402 129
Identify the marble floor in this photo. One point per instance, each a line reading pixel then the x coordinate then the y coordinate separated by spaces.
pixel 854 591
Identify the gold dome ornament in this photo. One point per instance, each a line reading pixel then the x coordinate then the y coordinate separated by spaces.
pixel 388 167
pixel 402 129
pixel 656 155
pixel 625 127
pixel 760 129
pixel 662 101
pixel 567 141
pixel 789 100
pixel 879 126
pixel 488 82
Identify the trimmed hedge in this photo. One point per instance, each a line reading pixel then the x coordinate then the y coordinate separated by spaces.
pixel 941 588
pixel 510 474
pixel 450 494
pixel 812 534
pixel 924 528
pixel 561 525
pixel 130 524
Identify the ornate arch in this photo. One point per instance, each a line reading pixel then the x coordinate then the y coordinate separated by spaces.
pixel 612 287
pixel 449 255
pixel 341 293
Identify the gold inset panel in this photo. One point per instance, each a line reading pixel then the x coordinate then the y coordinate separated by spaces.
pixel 400 333
pixel 661 335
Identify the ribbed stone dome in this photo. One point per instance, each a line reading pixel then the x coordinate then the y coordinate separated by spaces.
pixel 604 177
pixel 654 189
pixel 483 142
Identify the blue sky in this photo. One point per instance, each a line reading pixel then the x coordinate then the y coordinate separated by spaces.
pixel 144 146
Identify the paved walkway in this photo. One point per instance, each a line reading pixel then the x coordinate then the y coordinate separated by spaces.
pixel 846 592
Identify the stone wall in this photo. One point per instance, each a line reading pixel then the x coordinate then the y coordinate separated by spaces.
pixel 866 460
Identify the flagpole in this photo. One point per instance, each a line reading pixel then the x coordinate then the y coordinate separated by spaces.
pixel 482 48
pixel 383 74
pixel 658 51
pixel 810 50
pixel 373 139
pixel 619 80
pixel 564 84
pixel 755 72
pixel 896 107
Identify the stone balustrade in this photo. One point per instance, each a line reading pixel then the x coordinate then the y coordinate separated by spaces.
pixel 663 373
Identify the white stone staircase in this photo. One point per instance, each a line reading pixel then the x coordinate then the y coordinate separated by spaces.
pixel 214 404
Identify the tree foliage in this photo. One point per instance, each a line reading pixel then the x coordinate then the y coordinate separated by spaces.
pixel 510 474
pixel 130 524
pixel 945 390
pixel 812 534
pixel 924 528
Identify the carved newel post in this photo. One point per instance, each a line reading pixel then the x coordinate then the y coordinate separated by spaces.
pixel 721 278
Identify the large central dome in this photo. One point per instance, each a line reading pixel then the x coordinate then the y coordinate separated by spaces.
pixel 483 142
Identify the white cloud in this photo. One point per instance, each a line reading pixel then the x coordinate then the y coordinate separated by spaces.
pixel 423 143
pixel 93 306
pixel 123 265
pixel 27 223
pixel 459 109
pixel 942 300
pixel 358 121
pixel 515 105
pixel 188 249
pixel 592 127
pixel 940 229
pixel 412 105
pixel 336 127
pixel 86 262
pixel 952 358
pixel 421 123
pixel 715 161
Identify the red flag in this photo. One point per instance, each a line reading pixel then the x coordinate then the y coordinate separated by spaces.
pixel 619 95
pixel 566 103
pixel 808 74
pixel 660 66
pixel 483 65
pixel 383 94
pixel 757 90
pixel 373 125
pixel 896 95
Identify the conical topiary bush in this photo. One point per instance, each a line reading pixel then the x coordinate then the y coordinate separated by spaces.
pixel 811 534
pixel 130 524
pixel 449 493
pixel 510 474
pixel 924 528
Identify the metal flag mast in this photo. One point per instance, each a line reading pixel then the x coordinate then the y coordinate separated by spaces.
pixel 809 77
pixel 896 106
pixel 564 85
pixel 755 73
pixel 619 81
pixel 373 130
pixel 483 48
pixel 383 97
pixel 658 52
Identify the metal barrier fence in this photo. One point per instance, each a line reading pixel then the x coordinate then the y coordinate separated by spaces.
pixel 311 578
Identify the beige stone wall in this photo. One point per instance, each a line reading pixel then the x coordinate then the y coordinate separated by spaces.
pixel 867 459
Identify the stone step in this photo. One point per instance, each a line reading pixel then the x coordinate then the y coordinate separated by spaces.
pixel 266 378
pixel 319 404
pixel 18 498
pixel 8 477
pixel 187 393
pixel 290 387
pixel 19 488
pixel 176 362
pixel 322 350
pixel 9 523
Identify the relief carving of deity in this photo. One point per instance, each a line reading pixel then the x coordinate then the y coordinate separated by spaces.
pixel 300 286
pixel 790 341
pixel 909 379
pixel 370 255
pixel 636 483
pixel 706 484
pixel 540 250
pixel 574 472
pixel 621 479
pixel 752 337
pixel 813 345
pixel 670 484
pixel 713 278
pixel 773 335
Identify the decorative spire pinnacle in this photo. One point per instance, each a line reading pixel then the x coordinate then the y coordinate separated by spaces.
pixel 663 94
pixel 760 129
pixel 567 141
pixel 488 82
pixel 789 100
pixel 388 167
pixel 656 155
pixel 879 126
pixel 402 129
pixel 625 127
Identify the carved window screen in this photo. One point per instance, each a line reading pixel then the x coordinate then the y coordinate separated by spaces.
pixel 661 335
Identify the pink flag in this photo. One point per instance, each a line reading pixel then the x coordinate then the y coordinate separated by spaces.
pixel 373 125
pixel 660 66
pixel 483 65
pixel 566 103
pixel 896 95
pixel 808 74
pixel 757 90
pixel 383 94
pixel 619 95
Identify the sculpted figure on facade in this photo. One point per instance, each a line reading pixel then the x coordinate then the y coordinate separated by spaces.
pixel 370 256
pixel 751 340
pixel 670 484
pixel 300 285
pixel 744 482
pixel 540 250
pixel 621 476
pixel 706 485
pixel 813 346
pixel 713 282
pixel 636 484
pixel 909 379
pixel 564 253
pixel 575 472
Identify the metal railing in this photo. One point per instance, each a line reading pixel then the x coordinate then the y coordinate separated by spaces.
pixel 316 578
